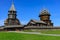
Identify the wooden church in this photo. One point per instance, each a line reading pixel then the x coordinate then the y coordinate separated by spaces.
pixel 44 21
pixel 13 24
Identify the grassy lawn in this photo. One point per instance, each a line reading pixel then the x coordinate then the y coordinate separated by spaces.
pixel 45 31
pixel 50 31
pixel 20 36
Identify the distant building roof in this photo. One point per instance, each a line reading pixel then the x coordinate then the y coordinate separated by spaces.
pixel 36 21
pixel 11 26
pixel 32 22
pixel 33 27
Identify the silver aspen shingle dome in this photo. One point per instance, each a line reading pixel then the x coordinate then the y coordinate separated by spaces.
pixel 44 12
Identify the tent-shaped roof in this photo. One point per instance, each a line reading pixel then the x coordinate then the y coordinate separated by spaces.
pixel 12 8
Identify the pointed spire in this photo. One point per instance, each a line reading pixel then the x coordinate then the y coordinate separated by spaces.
pixel 12 7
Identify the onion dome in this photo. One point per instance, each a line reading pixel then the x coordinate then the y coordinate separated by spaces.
pixel 44 12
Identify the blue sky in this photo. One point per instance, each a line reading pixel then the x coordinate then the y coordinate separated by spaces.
pixel 30 9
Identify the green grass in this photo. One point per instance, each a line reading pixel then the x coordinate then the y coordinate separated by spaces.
pixel 50 31
pixel 21 36
pixel 45 31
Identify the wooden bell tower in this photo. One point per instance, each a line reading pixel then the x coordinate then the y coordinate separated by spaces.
pixel 12 16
